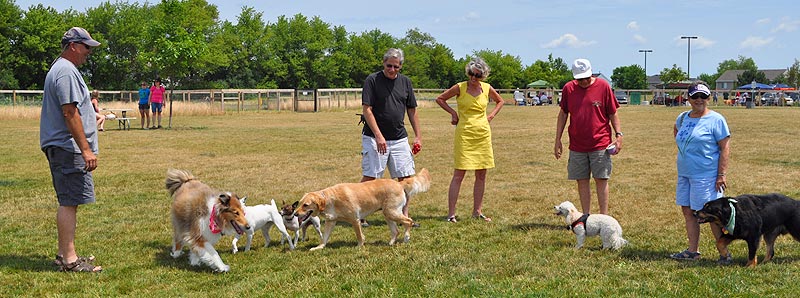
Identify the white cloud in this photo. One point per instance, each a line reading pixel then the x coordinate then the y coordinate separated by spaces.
pixel 633 26
pixel 755 42
pixel 568 40
pixel 640 38
pixel 472 16
pixel 703 43
pixel 786 26
pixel 763 21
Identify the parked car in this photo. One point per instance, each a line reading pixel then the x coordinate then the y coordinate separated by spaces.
pixel 793 97
pixel 622 97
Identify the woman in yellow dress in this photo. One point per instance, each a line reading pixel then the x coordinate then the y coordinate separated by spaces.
pixel 473 135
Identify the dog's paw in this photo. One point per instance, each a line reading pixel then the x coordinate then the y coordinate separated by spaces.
pixel 407 238
pixel 234 250
pixel 317 247
pixel 223 269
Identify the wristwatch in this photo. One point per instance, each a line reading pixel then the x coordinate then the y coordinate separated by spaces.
pixel 619 134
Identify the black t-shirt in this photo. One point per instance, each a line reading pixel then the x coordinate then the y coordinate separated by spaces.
pixel 389 100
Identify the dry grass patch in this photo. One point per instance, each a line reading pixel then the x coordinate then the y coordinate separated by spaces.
pixel 525 251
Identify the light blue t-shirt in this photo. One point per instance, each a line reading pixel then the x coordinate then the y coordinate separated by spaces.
pixel 698 144
pixel 64 85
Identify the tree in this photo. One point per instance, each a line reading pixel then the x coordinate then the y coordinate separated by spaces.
pixel 366 53
pixel 629 77
pixel 711 80
pixel 748 76
pixel 673 75
pixel 9 16
pixel 743 63
pixel 36 44
pixel 504 71
pixel 178 48
pixel 793 74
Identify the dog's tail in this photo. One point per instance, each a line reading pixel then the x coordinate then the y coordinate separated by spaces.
pixel 176 178
pixel 417 184
pixel 618 242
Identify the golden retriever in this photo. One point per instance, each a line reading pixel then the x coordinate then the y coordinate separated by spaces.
pixel 200 216
pixel 351 201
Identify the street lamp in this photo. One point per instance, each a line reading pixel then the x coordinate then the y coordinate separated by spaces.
pixel 689 55
pixel 645 62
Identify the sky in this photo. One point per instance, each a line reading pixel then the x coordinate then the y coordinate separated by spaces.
pixel 610 33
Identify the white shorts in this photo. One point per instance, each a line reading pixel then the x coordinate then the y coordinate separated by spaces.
pixel 398 157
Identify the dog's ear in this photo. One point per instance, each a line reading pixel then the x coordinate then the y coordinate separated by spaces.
pixel 225 199
pixel 295 204
pixel 319 199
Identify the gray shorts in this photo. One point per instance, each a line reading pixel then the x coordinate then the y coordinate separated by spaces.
pixel 581 163
pixel 398 158
pixel 74 185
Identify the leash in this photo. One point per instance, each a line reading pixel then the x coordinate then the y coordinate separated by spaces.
pixel 362 120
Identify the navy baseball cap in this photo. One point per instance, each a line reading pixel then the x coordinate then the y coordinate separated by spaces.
pixel 80 35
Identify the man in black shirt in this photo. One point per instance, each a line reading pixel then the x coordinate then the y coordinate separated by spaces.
pixel 386 98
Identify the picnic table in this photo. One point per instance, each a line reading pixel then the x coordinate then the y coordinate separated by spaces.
pixel 123 121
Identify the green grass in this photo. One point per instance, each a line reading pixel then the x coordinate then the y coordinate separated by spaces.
pixel 525 251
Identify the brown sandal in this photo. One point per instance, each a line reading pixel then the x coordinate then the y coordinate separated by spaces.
pixel 81 265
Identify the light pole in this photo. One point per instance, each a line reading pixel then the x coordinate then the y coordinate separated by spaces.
pixel 645 62
pixel 689 55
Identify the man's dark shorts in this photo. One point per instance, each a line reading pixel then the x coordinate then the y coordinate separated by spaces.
pixel 74 185
pixel 145 106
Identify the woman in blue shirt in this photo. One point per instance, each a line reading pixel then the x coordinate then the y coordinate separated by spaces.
pixel 702 136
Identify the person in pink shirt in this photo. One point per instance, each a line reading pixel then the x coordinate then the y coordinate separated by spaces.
pixel 157 101
pixel 591 108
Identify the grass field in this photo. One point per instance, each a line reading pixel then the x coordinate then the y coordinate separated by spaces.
pixel 525 251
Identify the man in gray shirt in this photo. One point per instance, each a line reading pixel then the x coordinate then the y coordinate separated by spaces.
pixel 68 137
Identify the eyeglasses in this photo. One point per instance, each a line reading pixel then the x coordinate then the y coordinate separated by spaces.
pixel 392 66
pixel 477 75
pixel 699 96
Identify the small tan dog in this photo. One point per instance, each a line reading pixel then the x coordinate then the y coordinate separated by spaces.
pixel 200 216
pixel 351 201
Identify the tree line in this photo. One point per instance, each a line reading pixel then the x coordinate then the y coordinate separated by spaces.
pixel 186 44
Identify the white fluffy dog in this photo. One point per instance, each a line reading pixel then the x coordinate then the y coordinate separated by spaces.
pixel 597 224
pixel 261 217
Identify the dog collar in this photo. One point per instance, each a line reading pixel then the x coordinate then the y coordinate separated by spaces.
pixel 212 221
pixel 732 221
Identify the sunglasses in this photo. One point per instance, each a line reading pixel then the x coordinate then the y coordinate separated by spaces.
pixel 84 45
pixel 392 66
pixel 477 75
pixel 699 96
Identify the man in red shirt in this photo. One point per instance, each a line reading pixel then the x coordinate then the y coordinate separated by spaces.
pixel 589 104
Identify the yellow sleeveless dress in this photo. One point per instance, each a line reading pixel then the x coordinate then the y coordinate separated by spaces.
pixel 473 136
